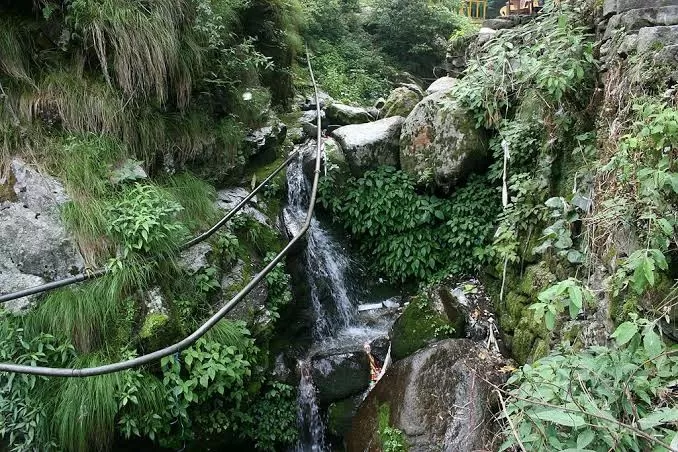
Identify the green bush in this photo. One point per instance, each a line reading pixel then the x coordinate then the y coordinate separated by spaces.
pixel 600 398
pixel 415 236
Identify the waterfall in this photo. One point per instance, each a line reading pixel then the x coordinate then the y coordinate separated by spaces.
pixel 326 262
pixel 310 422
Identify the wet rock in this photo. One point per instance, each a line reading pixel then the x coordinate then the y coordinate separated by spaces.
pixel 442 84
pixel 334 161
pixel 401 102
pixel 440 143
pixel 341 114
pixel 438 398
pixel 34 245
pixel 340 414
pixel 368 146
pixel 308 103
pixel 262 144
pixel 338 376
pixel 195 258
pixel 252 309
pixel 229 198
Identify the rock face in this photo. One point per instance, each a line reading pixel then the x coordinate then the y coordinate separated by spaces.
pixel 438 398
pixel 338 376
pixel 367 146
pixel 442 84
pixel 611 7
pixel 262 144
pixel 442 145
pixel 340 114
pixel 401 101
pixel 252 309
pixel 34 245
pixel 228 198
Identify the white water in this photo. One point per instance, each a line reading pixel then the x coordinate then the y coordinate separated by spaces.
pixel 337 324
pixel 310 422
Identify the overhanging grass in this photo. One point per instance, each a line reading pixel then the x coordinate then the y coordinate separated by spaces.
pixel 196 197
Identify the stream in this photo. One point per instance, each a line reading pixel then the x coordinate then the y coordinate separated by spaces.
pixel 342 321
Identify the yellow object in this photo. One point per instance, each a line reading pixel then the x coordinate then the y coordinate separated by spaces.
pixel 476 10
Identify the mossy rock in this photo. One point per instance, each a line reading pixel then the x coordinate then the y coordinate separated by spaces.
pixel 157 331
pixel 418 326
pixel 7 182
pixel 537 279
pixel 400 102
pixel 340 414
pixel 530 339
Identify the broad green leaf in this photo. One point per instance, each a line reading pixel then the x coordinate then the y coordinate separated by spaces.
pixel 661 416
pixel 550 319
pixel 652 343
pixel 625 332
pixel 561 417
pixel 585 438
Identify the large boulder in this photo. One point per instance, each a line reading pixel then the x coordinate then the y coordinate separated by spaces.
pixel 442 84
pixel 440 143
pixel 34 245
pixel 439 398
pixel 341 114
pixel 645 17
pixel 654 38
pixel 262 144
pixel 339 376
pixel 368 146
pixel 229 198
pixel 401 101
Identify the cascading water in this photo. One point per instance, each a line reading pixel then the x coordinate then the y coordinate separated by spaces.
pixel 335 306
pixel 326 263
pixel 311 424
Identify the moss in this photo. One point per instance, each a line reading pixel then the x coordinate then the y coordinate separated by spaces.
pixel 418 326
pixel 537 278
pixel 541 350
pixel 153 324
pixel 523 340
pixel 340 414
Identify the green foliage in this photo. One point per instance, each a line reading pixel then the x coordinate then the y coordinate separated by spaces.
pixel 197 199
pixel 391 438
pixel 559 235
pixel 144 221
pixel 565 294
pixel 24 399
pixel 553 55
pixel 414 32
pixel 598 399
pixel 640 270
pixel 412 235
pixel 279 288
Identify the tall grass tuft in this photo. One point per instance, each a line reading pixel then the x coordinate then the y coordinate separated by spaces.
pixel 196 197
pixel 232 333
pixel 84 417
pixel 13 52
pixel 87 314
pixel 142 43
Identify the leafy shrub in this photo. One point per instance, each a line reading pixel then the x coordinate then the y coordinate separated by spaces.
pixel 601 398
pixel 391 438
pixel 144 221
pixel 411 235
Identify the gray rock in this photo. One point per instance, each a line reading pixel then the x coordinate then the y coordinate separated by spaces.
pixel 11 280
pixel 611 7
pixel 338 376
pixel 195 258
pixel 438 398
pixel 36 191
pixel 442 84
pixel 379 104
pixel 442 145
pixel 498 23
pixel 401 102
pixel 229 198
pixel 311 117
pixel 155 301
pixel 264 142
pixel 485 34
pixel 368 146
pixel 309 103
pixel 655 38
pixel 340 114
pixel 333 160
pixel 252 309
pixel 645 17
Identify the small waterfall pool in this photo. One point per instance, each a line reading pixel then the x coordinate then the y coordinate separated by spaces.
pixel 335 294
